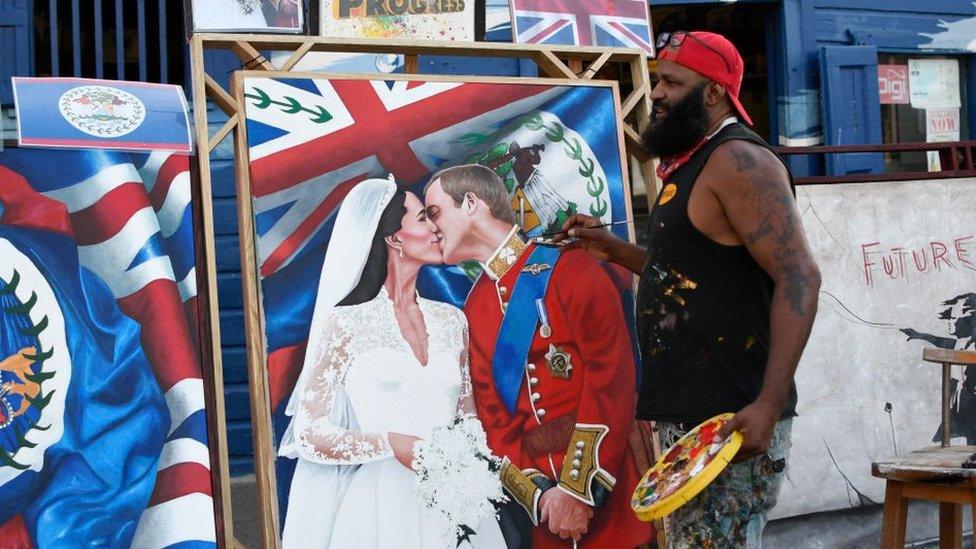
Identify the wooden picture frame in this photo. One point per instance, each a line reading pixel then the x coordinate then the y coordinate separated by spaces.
pixel 568 65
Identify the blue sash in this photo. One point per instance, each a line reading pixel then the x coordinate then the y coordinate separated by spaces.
pixel 519 327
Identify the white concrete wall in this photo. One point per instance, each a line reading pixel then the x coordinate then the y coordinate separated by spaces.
pixel 858 360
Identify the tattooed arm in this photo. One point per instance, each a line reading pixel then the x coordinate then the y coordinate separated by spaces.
pixel 752 186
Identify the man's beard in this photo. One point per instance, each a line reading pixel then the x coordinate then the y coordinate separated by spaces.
pixel 683 126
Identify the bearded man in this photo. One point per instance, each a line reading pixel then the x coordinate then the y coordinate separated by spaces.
pixel 728 288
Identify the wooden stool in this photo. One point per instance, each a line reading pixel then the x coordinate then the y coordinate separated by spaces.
pixel 933 474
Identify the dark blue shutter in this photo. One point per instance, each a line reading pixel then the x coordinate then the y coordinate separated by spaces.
pixel 851 107
pixel 15 45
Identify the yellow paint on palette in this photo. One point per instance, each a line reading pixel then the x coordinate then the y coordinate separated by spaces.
pixel 668 193
pixel 685 469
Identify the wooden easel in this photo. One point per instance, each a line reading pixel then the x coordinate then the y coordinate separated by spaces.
pixel 932 474
pixel 573 63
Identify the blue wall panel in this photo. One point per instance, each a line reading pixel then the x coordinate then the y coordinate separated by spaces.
pixel 16 48
pixel 893 26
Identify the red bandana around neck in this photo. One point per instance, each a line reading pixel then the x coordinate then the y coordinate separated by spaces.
pixel 671 164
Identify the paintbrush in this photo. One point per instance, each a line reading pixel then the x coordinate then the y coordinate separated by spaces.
pixel 602 225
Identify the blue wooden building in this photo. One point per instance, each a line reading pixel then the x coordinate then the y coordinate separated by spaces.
pixel 811 78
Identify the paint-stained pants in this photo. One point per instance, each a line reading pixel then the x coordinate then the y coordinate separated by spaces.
pixel 731 512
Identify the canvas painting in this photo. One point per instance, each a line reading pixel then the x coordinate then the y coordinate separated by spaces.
pixel 283 16
pixel 425 338
pixel 103 420
pixel 448 20
pixel 614 23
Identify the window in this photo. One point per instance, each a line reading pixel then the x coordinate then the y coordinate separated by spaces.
pixel 901 122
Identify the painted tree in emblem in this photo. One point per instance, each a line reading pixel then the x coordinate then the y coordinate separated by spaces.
pixel 517 165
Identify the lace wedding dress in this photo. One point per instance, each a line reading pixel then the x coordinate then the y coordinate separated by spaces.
pixel 349 491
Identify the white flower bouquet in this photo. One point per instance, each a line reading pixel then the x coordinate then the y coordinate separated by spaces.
pixel 457 476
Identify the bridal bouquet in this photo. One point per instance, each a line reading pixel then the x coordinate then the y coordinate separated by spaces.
pixel 457 475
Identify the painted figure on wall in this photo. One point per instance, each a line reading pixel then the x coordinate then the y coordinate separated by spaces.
pixel 961 318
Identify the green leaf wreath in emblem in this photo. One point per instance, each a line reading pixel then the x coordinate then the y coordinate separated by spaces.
pixel 554 133
pixel 23 373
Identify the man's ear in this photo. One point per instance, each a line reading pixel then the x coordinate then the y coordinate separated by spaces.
pixel 714 93
pixel 470 203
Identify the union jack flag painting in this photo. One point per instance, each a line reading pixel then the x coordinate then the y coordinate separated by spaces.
pixel 608 23
pixel 103 422
pixel 311 140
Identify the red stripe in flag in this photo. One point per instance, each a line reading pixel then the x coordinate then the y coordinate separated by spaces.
pixel 633 37
pixel 96 143
pixel 105 218
pixel 383 133
pixel 172 167
pixel 284 365
pixel 308 226
pixel 165 336
pixel 583 9
pixel 25 207
pixel 180 480
pixel 547 31
pixel 15 535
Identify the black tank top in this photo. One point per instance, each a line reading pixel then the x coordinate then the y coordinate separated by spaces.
pixel 702 309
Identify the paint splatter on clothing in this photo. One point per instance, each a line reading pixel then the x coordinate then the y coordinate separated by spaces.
pixel 702 310
pixel 732 511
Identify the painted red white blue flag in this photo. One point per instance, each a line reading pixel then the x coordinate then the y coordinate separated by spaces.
pixel 103 426
pixel 608 23
pixel 101 114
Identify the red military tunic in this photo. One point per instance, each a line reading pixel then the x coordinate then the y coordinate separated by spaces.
pixel 571 428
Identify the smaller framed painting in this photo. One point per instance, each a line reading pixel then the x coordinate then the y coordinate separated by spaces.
pixel 273 16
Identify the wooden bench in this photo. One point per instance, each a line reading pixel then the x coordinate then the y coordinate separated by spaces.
pixel 933 474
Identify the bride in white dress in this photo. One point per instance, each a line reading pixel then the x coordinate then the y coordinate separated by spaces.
pixel 384 367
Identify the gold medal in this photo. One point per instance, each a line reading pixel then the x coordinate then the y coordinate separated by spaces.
pixel 559 362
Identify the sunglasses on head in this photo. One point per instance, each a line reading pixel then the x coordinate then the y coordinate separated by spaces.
pixel 676 38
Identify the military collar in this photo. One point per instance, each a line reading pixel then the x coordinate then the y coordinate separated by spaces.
pixel 506 255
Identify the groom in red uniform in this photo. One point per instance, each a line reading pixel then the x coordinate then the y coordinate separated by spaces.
pixel 551 365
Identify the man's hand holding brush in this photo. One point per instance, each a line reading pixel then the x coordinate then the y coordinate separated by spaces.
pixel 590 234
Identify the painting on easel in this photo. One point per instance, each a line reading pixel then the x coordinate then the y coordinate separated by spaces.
pixel 416 168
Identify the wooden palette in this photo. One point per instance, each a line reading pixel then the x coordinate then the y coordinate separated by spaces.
pixel 690 465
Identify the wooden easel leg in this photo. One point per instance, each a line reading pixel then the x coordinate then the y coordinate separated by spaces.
pixel 950 525
pixel 895 517
pixel 973 503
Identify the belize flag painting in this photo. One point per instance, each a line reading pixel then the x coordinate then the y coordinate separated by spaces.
pixel 104 114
